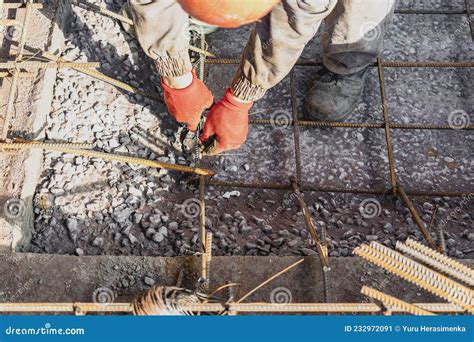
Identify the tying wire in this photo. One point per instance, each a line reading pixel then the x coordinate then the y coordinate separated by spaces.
pixel 269 280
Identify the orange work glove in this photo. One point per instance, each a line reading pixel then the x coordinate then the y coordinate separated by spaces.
pixel 228 121
pixel 187 105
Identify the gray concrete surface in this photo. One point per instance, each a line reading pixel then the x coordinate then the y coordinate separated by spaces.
pixel 54 279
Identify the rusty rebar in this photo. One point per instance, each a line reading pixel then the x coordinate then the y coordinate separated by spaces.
pixel 103 10
pixel 388 138
pixel 100 76
pixel 385 64
pixel 439 232
pixel 418 274
pixel 46 65
pixel 317 188
pixel 296 128
pixel 368 125
pixel 202 205
pixel 323 255
pixel 417 218
pixel 65 148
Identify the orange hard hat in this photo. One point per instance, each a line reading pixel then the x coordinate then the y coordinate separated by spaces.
pixel 228 13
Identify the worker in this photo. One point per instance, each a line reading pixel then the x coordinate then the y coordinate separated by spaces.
pixel 352 40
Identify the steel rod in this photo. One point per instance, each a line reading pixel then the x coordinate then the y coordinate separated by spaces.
pixel 385 64
pixel 395 302
pixel 106 156
pixel 317 188
pixel 368 125
pixel 296 128
pixel 417 218
pixel 269 280
pixel 241 307
pixel 103 10
pixel 429 11
pixel 388 137
pixel 46 65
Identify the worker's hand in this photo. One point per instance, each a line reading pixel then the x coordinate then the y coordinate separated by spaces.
pixel 187 105
pixel 228 121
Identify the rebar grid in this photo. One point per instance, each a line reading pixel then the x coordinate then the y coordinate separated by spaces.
pixel 297 124
pixel 396 188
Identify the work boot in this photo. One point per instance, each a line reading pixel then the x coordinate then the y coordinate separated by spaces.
pixel 333 97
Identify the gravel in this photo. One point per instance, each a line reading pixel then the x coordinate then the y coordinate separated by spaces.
pixel 86 206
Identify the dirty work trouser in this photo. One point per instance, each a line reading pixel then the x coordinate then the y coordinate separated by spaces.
pixel 353 38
